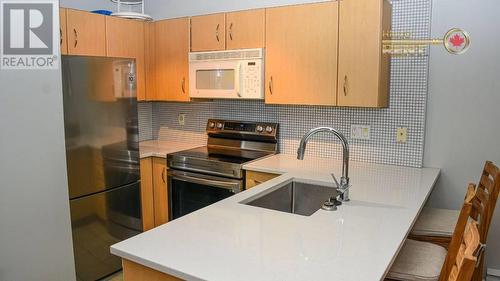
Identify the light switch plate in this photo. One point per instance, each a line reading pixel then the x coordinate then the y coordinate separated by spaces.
pixel 360 132
pixel 402 135
pixel 182 119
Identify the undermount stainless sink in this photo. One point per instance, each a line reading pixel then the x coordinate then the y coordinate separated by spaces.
pixel 294 197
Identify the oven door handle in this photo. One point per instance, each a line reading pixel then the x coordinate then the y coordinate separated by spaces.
pixel 232 186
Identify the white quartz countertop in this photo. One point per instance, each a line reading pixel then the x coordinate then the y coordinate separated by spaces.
pixel 160 148
pixel 233 241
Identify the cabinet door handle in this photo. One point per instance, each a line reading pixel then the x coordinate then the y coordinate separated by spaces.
pixel 76 37
pixel 163 175
pixel 60 36
pixel 231 31
pixel 346 88
pixel 271 85
pixel 217 32
pixel 183 85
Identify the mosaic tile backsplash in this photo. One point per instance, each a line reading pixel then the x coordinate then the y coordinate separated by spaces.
pixel 407 109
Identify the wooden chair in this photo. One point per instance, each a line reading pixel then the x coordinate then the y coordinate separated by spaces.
pixel 419 261
pixel 469 252
pixel 487 196
pixel 484 207
pixel 465 216
pixel 436 225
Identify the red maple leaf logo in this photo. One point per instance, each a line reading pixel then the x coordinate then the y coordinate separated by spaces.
pixel 457 40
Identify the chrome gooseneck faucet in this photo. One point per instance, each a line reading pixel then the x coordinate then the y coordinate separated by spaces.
pixel 343 186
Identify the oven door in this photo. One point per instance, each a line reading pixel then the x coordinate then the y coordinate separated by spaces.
pixel 189 192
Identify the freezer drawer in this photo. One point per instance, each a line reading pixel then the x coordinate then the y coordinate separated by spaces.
pixel 99 221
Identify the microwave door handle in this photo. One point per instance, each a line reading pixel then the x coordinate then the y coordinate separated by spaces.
pixel 239 79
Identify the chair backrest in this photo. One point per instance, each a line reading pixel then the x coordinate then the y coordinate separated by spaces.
pixel 458 233
pixel 467 255
pixel 486 198
pixel 485 203
pixel 479 205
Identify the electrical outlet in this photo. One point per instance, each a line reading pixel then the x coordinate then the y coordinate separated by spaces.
pixel 360 132
pixel 182 119
pixel 402 135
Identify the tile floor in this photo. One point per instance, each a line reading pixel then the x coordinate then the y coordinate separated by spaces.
pixel 115 277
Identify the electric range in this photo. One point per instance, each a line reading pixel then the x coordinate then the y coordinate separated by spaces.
pixel 201 176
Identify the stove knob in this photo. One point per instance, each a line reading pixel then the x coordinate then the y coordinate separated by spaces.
pixel 219 126
pixel 260 129
pixel 269 129
pixel 211 125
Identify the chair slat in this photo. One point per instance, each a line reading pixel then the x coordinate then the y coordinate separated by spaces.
pixel 466 258
pixel 458 233
pixel 490 168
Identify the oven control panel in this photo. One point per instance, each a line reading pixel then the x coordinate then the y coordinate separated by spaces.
pixel 215 126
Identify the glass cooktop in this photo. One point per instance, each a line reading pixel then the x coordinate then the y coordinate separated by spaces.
pixel 236 156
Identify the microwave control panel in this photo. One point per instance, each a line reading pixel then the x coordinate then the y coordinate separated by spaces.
pixel 251 79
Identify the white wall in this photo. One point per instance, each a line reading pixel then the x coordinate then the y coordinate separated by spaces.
pixel 463 115
pixel 161 9
pixel 35 230
pixel 88 5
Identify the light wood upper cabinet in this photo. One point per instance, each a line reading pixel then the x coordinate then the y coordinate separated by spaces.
pixel 150 60
pixel 125 38
pixel 62 32
pixel 363 70
pixel 171 39
pixel 86 33
pixel 301 54
pixel 160 193
pixel 245 29
pixel 208 33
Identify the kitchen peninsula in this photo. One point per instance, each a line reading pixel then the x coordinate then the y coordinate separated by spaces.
pixel 233 241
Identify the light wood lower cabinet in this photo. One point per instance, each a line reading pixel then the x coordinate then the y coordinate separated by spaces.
pixel 147 194
pixel 301 54
pixel 135 272
pixel 160 190
pixel 154 195
pixel 255 178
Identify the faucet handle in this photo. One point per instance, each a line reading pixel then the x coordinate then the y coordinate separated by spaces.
pixel 343 186
pixel 336 181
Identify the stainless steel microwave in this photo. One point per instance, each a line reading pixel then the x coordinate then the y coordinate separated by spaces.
pixel 234 74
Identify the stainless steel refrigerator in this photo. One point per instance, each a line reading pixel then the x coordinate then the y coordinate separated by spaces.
pixel 102 153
